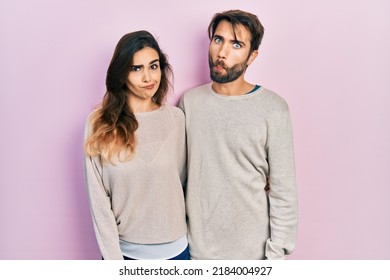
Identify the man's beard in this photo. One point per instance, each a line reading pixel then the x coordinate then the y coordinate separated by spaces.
pixel 232 73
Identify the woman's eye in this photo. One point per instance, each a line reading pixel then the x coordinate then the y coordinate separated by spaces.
pixel 236 45
pixel 154 66
pixel 135 69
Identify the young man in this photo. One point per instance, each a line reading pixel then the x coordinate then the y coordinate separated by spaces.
pixel 241 193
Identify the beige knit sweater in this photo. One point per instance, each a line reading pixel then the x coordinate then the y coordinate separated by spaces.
pixel 234 144
pixel 141 200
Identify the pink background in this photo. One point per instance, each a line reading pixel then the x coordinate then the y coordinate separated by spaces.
pixel 329 59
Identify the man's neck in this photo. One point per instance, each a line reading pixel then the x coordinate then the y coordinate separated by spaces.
pixel 237 87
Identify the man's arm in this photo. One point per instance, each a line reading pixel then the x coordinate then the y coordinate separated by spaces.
pixel 282 193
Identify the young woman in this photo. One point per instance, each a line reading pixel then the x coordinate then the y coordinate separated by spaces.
pixel 135 157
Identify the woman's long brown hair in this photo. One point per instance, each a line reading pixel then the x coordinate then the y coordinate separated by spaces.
pixel 113 123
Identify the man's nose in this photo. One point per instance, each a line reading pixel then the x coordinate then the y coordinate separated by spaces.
pixel 222 51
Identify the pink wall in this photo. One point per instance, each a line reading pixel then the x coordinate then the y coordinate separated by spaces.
pixel 330 60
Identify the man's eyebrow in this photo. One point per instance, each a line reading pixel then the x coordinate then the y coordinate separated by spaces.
pixel 232 41
pixel 238 42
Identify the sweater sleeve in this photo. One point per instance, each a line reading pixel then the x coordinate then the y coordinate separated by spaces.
pixel 181 104
pixel 183 155
pixel 182 148
pixel 282 195
pixel 104 222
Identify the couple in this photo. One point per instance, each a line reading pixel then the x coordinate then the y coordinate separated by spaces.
pixel 231 150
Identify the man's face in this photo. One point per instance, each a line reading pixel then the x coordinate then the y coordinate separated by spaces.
pixel 229 55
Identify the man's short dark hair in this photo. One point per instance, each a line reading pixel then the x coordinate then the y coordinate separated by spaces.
pixel 238 17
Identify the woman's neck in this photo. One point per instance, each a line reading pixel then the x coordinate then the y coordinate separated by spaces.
pixel 141 106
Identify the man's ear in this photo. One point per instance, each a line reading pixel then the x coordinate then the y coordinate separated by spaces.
pixel 252 57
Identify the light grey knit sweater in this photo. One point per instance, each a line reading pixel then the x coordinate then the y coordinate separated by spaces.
pixel 141 200
pixel 234 144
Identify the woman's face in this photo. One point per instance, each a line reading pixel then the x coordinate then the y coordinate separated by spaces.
pixel 145 74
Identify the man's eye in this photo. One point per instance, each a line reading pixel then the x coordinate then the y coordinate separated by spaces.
pixel 236 46
pixel 218 40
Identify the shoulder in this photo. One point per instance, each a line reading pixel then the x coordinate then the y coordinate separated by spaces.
pixel 177 117
pixel 90 117
pixel 273 101
pixel 196 95
pixel 198 91
pixel 89 122
pixel 175 112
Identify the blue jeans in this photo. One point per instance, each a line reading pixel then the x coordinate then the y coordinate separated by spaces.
pixel 185 255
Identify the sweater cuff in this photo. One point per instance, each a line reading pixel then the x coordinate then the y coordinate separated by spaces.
pixel 273 251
